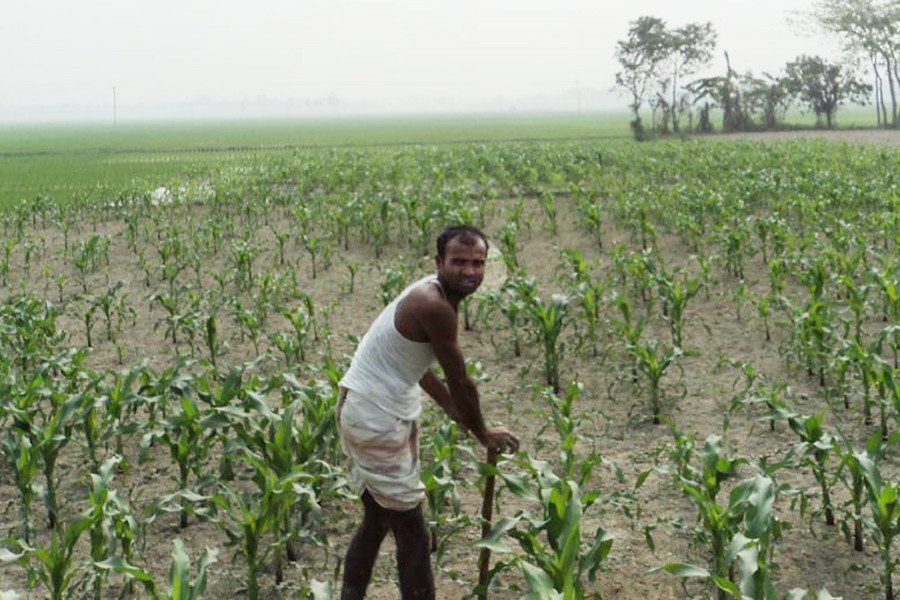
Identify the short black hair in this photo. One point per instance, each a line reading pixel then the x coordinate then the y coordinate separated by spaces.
pixel 467 235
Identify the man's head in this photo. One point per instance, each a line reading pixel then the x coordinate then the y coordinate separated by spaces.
pixel 465 234
pixel 461 256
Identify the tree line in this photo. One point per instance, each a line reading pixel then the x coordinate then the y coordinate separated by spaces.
pixel 659 64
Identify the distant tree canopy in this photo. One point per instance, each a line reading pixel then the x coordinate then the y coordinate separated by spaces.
pixel 640 56
pixel 869 30
pixel 657 63
pixel 744 100
pixel 655 59
pixel 823 87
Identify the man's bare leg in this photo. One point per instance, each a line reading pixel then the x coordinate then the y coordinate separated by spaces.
pixel 413 554
pixel 363 550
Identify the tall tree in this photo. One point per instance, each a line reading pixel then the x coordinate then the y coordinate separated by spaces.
pixel 823 86
pixel 870 29
pixel 641 55
pixel 689 48
pixel 655 59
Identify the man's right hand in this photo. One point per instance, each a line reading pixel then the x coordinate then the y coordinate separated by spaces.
pixel 501 439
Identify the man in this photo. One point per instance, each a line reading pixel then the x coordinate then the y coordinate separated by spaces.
pixel 380 403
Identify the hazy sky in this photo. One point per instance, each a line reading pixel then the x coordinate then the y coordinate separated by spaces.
pixel 399 54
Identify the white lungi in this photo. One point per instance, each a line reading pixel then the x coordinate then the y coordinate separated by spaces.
pixel 384 451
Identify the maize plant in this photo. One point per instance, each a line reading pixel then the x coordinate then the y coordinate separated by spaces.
pixel 547 322
pixel 315 246
pixel 812 451
pixel 250 516
pixel 119 397
pixel 554 559
pixel 852 475
pixel 517 295
pixel 24 462
pixel 812 337
pixel 590 212
pixel 508 238
pixel 586 293
pixel 301 436
pixel 440 476
pixel 631 330
pixel 244 254
pixel 49 434
pixel 653 361
pixel 548 203
pixel 54 566
pixel 112 528
pixel 566 419
pixel 395 279
pixel 865 362
pixel 181 585
pixel 751 527
pixel 674 295
pixel 188 433
pixel 718 523
pixel 884 506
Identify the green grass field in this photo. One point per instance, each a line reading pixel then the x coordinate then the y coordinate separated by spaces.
pixel 65 161
pixel 70 161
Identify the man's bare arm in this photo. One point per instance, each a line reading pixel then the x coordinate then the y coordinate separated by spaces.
pixel 439 321
pixel 438 391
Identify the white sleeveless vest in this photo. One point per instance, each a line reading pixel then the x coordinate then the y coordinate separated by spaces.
pixel 387 367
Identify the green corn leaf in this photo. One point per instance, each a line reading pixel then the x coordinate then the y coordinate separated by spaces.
pixel 492 539
pixel 685 570
pixel 119 565
pixel 726 585
pixel 540 586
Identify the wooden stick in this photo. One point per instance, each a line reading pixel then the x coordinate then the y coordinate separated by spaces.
pixel 487 514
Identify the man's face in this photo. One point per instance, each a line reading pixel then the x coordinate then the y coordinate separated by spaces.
pixel 462 268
